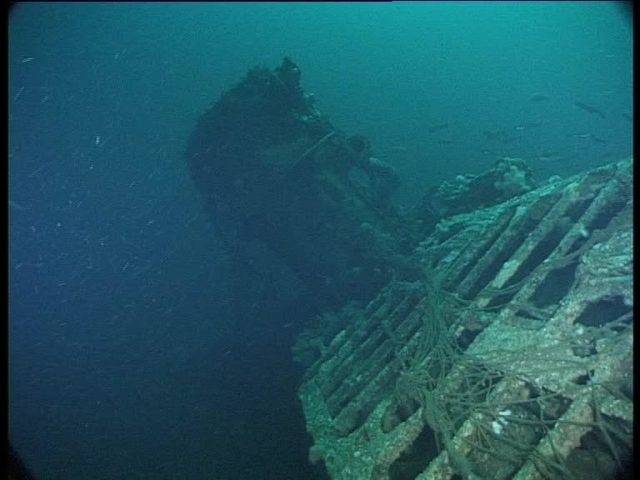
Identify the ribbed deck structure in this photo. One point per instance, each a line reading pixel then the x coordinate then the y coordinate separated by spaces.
pixel 510 359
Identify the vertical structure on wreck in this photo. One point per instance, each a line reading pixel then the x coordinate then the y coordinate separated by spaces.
pixel 270 167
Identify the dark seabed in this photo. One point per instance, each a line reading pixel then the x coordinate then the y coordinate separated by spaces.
pixel 137 349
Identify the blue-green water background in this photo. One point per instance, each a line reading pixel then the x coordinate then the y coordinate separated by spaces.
pixel 123 358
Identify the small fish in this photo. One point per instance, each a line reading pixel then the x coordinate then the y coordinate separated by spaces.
pixel 498 136
pixel 589 108
pixel 436 128
pixel 539 97
pixel 551 158
pixel 588 135
pixel 27 60
pixel 527 125
pixel 445 142
pixel 494 136
pixel 580 135
pixel 604 93
pixel 398 149
pixel 18 94
pixel 37 170
pixel 16 206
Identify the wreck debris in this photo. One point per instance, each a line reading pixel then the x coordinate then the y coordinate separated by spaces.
pixel 510 358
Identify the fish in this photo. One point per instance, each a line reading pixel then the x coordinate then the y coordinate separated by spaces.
pixel 435 128
pixel 550 157
pixel 16 206
pixel 587 135
pixel 579 135
pixel 589 108
pixel 37 170
pixel 539 97
pixel 605 93
pixel 18 94
pixel 498 136
pixel 527 125
pixel 398 149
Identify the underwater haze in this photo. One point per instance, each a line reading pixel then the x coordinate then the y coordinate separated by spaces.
pixel 126 356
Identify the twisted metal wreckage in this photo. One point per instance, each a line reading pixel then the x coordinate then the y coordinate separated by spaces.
pixel 495 340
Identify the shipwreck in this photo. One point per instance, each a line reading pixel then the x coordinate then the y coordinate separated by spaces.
pixel 491 335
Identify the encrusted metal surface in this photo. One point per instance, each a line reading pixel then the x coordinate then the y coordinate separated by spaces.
pixel 511 358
